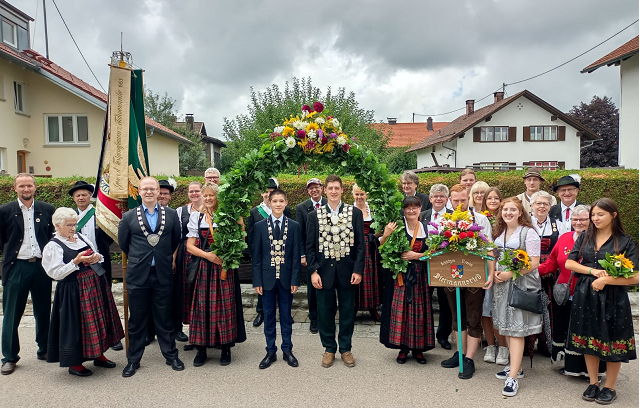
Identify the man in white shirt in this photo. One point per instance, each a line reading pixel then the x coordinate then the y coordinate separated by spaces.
pixel 567 190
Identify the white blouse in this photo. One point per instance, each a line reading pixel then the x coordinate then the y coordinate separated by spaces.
pixel 193 224
pixel 53 256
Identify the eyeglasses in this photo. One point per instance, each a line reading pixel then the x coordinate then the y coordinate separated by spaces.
pixel 478 193
pixel 541 204
pixel 569 189
pixel 579 220
pixel 438 197
pixel 212 177
pixel 412 209
pixel 164 194
pixel 148 189
pixel 71 226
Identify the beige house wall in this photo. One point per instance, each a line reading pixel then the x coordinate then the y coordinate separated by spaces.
pixel 163 155
pixel 13 127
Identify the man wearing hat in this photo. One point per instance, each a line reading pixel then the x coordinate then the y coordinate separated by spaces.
pixel 166 190
pixel 567 190
pixel 314 189
pixel 81 193
pixel 532 181
pixel 261 212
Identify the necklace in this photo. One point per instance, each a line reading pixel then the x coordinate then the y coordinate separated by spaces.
pixel 336 232
pixel 153 238
pixel 277 246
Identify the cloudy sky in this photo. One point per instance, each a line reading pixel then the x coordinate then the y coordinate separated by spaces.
pixel 399 57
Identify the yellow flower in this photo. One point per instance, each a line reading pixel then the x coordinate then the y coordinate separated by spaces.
pixel 454 238
pixel 312 125
pixel 287 131
pixel 311 114
pixel 626 263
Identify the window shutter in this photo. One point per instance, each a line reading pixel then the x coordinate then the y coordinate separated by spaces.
pixel 23 38
pixel 526 163
pixel 512 134
pixel 561 132
pixel 526 133
pixel 512 166
pixel 476 134
pixel 561 164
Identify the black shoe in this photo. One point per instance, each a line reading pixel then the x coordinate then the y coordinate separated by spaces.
pixel 200 358
pixel 468 368
pixel 181 337
pixel 445 344
pixel 104 364
pixel 419 356
pixel 313 327
pixel 176 364
pixel 258 320
pixel 289 358
pixel 590 394
pixel 402 358
pixel 148 340
pixel 225 358
pixel 268 360
pixel 452 362
pixel 130 369
pixel 606 396
pixel 188 347
pixel 42 356
pixel 118 346
pixel 84 372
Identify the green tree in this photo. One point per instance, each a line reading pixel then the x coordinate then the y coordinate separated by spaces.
pixel 601 116
pixel 160 108
pixel 272 106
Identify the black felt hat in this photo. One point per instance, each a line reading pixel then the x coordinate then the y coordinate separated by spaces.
pixel 165 184
pixel 273 183
pixel 566 181
pixel 81 184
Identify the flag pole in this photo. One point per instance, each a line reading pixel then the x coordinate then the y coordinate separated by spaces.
pixel 125 300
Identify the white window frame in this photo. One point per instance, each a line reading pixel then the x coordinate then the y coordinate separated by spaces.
pixel 18 95
pixel 484 133
pixel 543 133
pixel 545 164
pixel 15 33
pixel 494 165
pixel 2 153
pixel 60 131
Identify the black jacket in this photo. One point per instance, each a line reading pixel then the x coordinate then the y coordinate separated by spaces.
pixel 263 274
pixel 302 212
pixel 556 210
pixel 12 231
pixel 425 216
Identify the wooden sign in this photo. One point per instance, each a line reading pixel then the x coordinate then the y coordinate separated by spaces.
pixel 455 269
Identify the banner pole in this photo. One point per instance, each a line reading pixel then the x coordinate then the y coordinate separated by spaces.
pixel 125 299
pixel 459 327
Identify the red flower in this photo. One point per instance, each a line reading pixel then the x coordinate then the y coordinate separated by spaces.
pixel 306 108
pixel 447 234
pixel 301 134
pixel 273 135
pixel 470 234
pixel 311 144
pixel 346 147
pixel 318 107
pixel 463 235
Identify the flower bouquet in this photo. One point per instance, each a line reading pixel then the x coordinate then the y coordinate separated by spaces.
pixel 617 266
pixel 457 232
pixel 488 215
pixel 515 260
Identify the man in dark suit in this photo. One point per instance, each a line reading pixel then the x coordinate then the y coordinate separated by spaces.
pixel 25 228
pixel 261 212
pixel 149 235
pixel 335 257
pixel 567 190
pixel 275 259
pixel 314 189
pixel 438 196
pixel 410 182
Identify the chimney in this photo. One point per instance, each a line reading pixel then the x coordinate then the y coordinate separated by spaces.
pixel 498 96
pixel 470 106
pixel 392 121
pixel 188 118
pixel 429 124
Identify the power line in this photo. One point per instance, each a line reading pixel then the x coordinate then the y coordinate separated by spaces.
pixel 535 76
pixel 74 41
pixel 35 26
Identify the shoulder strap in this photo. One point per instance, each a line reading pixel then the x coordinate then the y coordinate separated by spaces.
pixel 262 212
pixel 523 236
pixel 85 219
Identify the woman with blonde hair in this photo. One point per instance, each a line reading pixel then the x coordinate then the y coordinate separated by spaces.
pixel 476 194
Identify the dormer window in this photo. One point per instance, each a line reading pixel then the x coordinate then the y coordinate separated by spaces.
pixel 9 33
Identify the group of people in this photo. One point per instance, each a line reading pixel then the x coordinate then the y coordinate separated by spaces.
pixel 173 278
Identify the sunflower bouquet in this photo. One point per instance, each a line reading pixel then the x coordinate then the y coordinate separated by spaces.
pixel 515 261
pixel 617 265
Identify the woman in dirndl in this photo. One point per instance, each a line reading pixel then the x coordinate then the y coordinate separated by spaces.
pixel 84 318
pixel 216 313
pixel 601 322
pixel 368 291
pixel 512 231
pixel 407 318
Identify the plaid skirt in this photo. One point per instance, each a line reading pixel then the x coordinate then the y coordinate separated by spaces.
pixel 408 324
pixel 84 319
pixel 216 311
pixel 368 291
pixel 187 289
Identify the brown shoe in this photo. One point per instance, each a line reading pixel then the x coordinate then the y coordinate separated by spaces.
pixel 327 359
pixel 8 368
pixel 348 359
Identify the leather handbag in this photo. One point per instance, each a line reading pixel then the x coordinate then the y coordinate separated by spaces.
pixel 526 300
pixel 562 291
pixel 192 269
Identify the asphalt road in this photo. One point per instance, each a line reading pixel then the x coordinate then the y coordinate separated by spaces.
pixel 376 380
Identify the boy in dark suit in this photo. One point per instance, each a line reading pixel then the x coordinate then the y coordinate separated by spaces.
pixel 275 259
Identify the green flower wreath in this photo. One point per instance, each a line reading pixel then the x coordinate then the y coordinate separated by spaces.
pixel 310 134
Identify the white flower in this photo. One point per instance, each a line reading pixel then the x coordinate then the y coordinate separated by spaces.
pixel 299 124
pixel 291 142
pixel 311 134
pixel 618 264
pixel 278 129
pixel 320 120
pixel 335 122
pixel 472 244
pixel 341 140
pixel 305 113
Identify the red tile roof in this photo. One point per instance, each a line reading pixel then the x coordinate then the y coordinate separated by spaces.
pixel 407 134
pixel 619 54
pixel 465 122
pixel 35 59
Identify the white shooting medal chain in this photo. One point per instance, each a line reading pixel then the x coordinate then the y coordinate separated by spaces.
pixel 153 238
pixel 277 246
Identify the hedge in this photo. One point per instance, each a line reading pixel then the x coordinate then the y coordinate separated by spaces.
pixel 621 185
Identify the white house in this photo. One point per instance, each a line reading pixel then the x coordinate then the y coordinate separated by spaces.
pixel 521 130
pixel 626 56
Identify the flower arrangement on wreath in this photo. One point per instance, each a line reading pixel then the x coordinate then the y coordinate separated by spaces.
pixel 315 132
pixel 514 261
pixel 457 232
pixel 617 265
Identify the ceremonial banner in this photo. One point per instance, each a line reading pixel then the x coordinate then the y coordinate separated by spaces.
pixel 123 161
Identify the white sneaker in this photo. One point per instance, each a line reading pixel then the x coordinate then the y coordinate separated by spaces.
pixel 490 355
pixel 510 387
pixel 503 356
pixel 504 374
